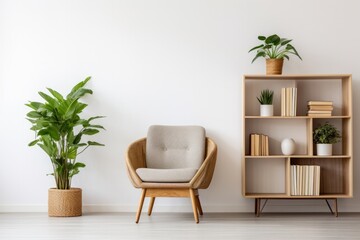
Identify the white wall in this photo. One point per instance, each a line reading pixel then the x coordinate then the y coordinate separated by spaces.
pixel 156 62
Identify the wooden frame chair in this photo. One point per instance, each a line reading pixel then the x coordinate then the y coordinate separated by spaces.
pixel 136 158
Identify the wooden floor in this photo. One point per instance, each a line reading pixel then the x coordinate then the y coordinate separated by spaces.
pixel 180 226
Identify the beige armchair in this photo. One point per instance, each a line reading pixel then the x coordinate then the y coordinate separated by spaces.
pixel 168 168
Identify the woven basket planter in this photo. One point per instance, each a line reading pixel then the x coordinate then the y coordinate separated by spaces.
pixel 65 203
pixel 274 66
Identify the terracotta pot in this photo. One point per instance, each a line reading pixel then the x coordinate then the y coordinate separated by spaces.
pixel 274 66
pixel 65 203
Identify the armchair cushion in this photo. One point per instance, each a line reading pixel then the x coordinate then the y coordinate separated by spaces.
pixel 175 147
pixel 166 175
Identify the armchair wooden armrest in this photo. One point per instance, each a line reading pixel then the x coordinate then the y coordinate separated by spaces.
pixel 203 177
pixel 136 158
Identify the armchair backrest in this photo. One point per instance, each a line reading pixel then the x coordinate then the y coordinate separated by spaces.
pixel 169 147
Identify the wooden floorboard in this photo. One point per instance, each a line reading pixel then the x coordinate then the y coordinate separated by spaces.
pixel 181 226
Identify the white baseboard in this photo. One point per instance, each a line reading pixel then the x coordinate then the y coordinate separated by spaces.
pixel 270 207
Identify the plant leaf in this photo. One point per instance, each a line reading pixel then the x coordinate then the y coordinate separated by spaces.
pixel 34 114
pixel 97 126
pixel 285 41
pixel 77 87
pixel 34 105
pixel 77 138
pixel 259 54
pixel 33 142
pixel 262 38
pixel 256 47
pixel 89 131
pixel 79 165
pixel 273 39
pixel 291 47
pixel 54 133
pixel 49 99
pixel 96 117
pixel 95 143
pixel 79 93
pixel 57 95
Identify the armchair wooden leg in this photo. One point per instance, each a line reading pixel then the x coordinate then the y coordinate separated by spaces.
pixel 199 205
pixel 151 205
pixel 194 205
pixel 141 203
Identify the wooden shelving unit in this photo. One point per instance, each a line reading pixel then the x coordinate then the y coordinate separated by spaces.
pixel 268 177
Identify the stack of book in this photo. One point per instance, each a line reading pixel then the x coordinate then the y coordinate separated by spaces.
pixel 288 102
pixel 259 145
pixel 320 108
pixel 305 180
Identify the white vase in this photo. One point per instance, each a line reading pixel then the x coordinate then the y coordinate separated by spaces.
pixel 288 146
pixel 266 110
pixel 324 149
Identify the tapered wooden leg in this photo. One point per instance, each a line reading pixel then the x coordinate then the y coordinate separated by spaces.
pixel 141 203
pixel 199 205
pixel 151 205
pixel 194 205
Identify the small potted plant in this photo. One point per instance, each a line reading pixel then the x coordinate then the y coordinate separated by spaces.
pixel 266 102
pixel 58 131
pixel 274 49
pixel 324 137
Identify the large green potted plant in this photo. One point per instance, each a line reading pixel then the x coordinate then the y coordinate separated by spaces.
pixel 58 131
pixel 274 49
pixel 325 136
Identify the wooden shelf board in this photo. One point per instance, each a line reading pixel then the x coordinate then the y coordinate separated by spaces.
pixel 296 77
pixel 298 156
pixel 285 196
pixel 296 117
pixel 266 195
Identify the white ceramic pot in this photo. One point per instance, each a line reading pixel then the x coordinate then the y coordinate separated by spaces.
pixel 288 146
pixel 324 149
pixel 266 110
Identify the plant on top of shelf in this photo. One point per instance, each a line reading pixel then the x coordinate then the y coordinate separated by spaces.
pixel 274 49
pixel 324 136
pixel 266 100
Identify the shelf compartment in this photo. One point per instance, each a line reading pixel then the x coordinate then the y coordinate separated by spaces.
pixel 277 132
pixel 335 174
pixel 343 125
pixel 265 175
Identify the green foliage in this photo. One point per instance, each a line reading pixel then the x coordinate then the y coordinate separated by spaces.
pixel 274 47
pixel 266 97
pixel 59 128
pixel 326 133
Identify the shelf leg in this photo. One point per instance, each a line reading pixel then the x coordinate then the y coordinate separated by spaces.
pixel 262 208
pixel 336 208
pixel 258 207
pixel 256 202
pixel 328 204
